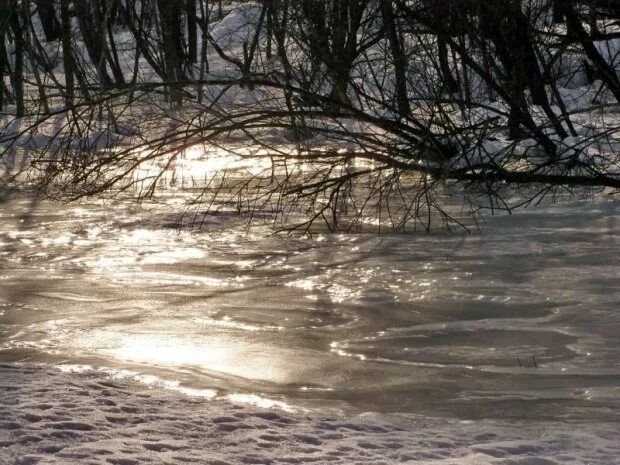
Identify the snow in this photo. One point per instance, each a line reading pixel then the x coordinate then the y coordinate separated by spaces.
pixel 237 27
pixel 51 416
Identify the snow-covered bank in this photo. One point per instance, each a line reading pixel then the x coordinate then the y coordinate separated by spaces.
pixel 50 417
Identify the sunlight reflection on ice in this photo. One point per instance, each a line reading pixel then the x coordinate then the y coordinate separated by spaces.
pixel 337 293
pixel 198 164
pixel 162 350
pixel 227 322
pixel 172 256
pixel 216 353
pixel 140 247
pixel 262 402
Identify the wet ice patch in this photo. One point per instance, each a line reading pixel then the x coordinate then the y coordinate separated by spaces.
pixel 172 256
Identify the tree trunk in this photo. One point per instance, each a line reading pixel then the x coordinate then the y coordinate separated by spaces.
pixel 170 15
pixel 17 26
pixel 92 23
pixel 576 30
pixel 269 32
pixel 398 57
pixel 67 52
pixel 450 84
pixel 204 42
pixel 112 15
pixel 5 16
pixel 249 53
pixel 192 32
pixel 47 15
pixel 558 11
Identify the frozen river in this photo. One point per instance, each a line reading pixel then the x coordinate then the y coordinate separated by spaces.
pixel 518 321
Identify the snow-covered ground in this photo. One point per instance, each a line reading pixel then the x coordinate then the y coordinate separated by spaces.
pixel 51 417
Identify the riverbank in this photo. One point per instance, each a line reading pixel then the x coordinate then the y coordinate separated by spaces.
pixel 52 417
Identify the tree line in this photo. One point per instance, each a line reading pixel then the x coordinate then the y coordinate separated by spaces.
pixel 486 94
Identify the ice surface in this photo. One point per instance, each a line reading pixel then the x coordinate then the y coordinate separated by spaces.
pixel 438 325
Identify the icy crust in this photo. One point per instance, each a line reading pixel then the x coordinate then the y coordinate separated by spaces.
pixel 50 417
